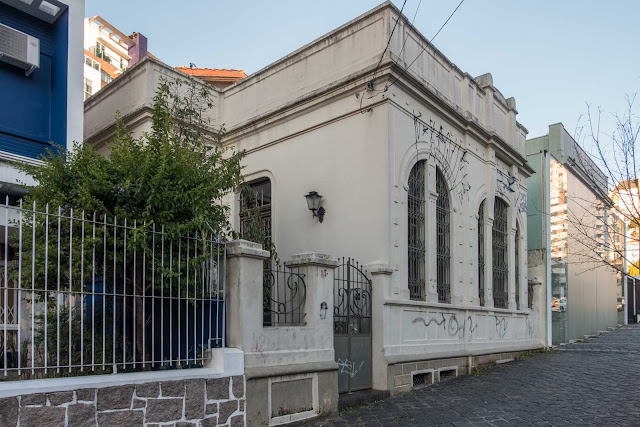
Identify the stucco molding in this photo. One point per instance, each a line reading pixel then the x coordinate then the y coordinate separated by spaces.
pixel 245 248
pixel 306 259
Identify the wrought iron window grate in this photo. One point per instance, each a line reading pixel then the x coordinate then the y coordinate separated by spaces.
pixel 517 264
pixel 499 252
pixel 443 229
pixel 481 253
pixel 422 379
pixel 416 231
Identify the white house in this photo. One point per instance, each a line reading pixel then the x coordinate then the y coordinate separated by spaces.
pixel 422 172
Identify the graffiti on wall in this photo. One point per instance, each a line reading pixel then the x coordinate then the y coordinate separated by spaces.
pixel 455 327
pixel 348 367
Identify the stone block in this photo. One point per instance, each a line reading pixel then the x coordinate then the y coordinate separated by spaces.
pixel 172 389
pixel 209 422
pixel 194 400
pixel 422 366
pixel 238 386
pixel 211 408
pixel 115 397
pixel 400 380
pixel 86 394
pixel 42 416
pixel 407 368
pixel 225 409
pixel 164 410
pixel 9 411
pixel 121 418
pixel 60 398
pixel 237 421
pixel 218 389
pixel 39 399
pixel 241 405
pixel 139 403
pixel 81 415
pixel 185 424
pixel 148 390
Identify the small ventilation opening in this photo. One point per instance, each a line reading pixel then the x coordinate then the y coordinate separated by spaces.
pixel 448 373
pixel 422 379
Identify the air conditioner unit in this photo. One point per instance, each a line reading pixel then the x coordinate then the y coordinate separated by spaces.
pixel 19 49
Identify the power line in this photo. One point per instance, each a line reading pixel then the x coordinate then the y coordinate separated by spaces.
pixel 407 35
pixel 429 42
pixel 389 41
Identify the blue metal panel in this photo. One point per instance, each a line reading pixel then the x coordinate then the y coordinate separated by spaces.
pixel 33 110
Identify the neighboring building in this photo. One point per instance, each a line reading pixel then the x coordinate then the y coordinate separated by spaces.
pixel 423 176
pixel 41 110
pixel 108 53
pixel 571 236
pixel 220 78
pixel 41 106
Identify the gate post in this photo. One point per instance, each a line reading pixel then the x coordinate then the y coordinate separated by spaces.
pixel 380 289
pixel 244 292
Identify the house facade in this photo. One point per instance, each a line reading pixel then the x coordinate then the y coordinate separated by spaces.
pixel 571 230
pixel 422 174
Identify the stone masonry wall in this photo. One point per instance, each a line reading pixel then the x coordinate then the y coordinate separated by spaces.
pixel 182 403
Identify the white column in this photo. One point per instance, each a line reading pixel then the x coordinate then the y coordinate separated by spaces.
pixel 244 293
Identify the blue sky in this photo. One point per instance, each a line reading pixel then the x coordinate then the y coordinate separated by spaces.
pixel 553 56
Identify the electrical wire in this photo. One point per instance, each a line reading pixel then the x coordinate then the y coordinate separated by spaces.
pixel 429 42
pixel 389 41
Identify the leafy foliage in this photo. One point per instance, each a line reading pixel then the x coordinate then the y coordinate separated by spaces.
pixel 174 175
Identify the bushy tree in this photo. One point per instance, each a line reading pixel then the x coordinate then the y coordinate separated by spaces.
pixel 172 178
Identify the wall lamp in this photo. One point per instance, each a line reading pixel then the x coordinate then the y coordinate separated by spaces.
pixel 313 202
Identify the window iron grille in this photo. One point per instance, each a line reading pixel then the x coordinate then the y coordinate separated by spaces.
pixel 416 231
pixel 443 229
pixel 499 252
pixel 517 264
pixel 481 253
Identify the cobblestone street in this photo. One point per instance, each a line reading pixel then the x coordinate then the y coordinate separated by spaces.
pixel 592 383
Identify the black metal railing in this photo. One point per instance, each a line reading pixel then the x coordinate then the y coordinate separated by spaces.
pixel 284 296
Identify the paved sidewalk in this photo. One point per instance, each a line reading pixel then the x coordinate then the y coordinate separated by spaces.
pixel 592 383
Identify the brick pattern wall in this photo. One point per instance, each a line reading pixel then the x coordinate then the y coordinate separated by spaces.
pixel 184 403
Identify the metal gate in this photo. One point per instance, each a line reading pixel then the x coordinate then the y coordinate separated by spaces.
pixel 352 326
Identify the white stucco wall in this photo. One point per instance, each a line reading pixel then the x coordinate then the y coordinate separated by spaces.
pixel 75 83
pixel 592 285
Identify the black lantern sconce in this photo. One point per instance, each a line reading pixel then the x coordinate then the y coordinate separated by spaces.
pixel 313 202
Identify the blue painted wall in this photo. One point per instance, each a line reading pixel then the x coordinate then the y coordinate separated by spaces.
pixel 33 110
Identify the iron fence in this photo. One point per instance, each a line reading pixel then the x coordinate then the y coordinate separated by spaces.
pixel 83 294
pixel 284 295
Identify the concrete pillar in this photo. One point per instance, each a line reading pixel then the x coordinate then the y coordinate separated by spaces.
pixel 318 272
pixel 488 258
pixel 380 290
pixel 511 259
pixel 244 292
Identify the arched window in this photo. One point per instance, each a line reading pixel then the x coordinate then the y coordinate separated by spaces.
pixel 481 253
pixel 517 264
pixel 499 252
pixel 443 229
pixel 416 231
